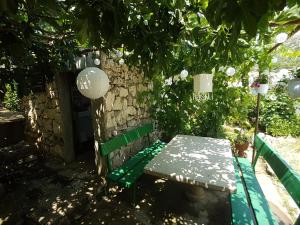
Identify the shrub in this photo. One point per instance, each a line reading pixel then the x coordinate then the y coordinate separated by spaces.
pixel 281 105
pixel 177 111
pixel 295 127
pixel 242 137
pixel 11 98
pixel 278 114
pixel 279 126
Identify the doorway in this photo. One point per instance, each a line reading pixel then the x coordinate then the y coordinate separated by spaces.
pixel 82 122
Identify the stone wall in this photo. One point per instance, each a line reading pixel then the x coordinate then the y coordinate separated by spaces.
pixel 121 109
pixel 121 105
pixel 118 111
pixel 43 119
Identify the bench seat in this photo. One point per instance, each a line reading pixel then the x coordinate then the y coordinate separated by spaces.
pixel 257 198
pixel 249 193
pixel 127 174
pixel 249 204
pixel 241 212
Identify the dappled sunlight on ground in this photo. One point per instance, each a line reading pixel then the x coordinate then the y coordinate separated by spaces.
pixel 40 191
pixel 35 189
pixel 158 202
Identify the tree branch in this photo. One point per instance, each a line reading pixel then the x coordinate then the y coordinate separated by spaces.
pixel 289 36
pixel 291 22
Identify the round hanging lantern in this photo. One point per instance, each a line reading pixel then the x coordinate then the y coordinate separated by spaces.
pixel 274 60
pixel 184 73
pixel 92 82
pixel 97 62
pixel 230 71
pixel 281 37
pixel 203 83
pixel 294 88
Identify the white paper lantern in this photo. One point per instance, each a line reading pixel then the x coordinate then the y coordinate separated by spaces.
pixel 184 73
pixel 92 82
pixel 97 62
pixel 230 71
pixel 203 83
pixel 280 38
pixel 274 60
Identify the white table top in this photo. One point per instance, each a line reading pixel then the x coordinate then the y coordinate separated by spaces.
pixel 196 160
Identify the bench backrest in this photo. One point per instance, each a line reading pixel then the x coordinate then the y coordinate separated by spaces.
pixel 288 177
pixel 115 143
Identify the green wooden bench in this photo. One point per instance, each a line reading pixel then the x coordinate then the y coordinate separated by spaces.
pixel 127 174
pixel 249 205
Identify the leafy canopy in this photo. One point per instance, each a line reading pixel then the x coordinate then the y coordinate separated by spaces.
pixel 39 37
pixel 161 37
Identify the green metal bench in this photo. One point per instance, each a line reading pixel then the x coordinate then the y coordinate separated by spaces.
pixel 249 205
pixel 127 174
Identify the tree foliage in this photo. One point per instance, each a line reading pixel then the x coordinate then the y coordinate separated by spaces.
pixel 40 37
pixel 11 99
pixel 161 37
pixel 36 39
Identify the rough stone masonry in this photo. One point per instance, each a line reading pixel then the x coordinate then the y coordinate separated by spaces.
pixel 118 111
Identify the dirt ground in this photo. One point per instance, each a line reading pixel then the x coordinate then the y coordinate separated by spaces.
pixel 40 189
pixel 158 202
pixel 288 148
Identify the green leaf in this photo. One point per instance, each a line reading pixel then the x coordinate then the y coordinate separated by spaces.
pixel 288 15
pixel 180 4
pixel 82 35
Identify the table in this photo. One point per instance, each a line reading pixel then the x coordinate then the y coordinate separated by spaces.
pixel 202 161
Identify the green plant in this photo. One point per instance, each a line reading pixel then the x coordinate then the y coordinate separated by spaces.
pixel 297 73
pixel 242 137
pixel 41 36
pixel 296 126
pixel 176 110
pixel 262 79
pixel 282 127
pixel 278 113
pixel 277 104
pixel 11 98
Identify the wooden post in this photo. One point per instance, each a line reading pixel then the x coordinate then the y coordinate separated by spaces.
pixel 256 124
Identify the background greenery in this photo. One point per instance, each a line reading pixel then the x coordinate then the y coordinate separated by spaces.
pixel 278 114
pixel 41 38
pixel 11 99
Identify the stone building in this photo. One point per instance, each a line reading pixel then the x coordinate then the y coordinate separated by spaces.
pixel 63 122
